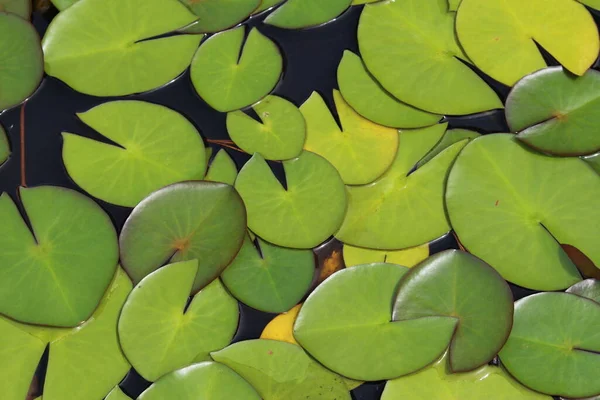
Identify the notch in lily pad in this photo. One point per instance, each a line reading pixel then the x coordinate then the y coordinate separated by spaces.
pixel 296 14
pixel 218 15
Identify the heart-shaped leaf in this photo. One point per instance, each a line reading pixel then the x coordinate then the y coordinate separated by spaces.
pixel 266 5
pixel 222 169
pixel 184 221
pixel 589 288
pixel 158 147
pixel 218 15
pixel 282 326
pixel 296 14
pixel 303 216
pixel 407 258
pixel 229 77
pixel 529 200
pixel 22 8
pixel 361 150
pixel 450 137
pixel 109 47
pixel 4 146
pixel 410 47
pixel 495 33
pixel 117 394
pixel 554 346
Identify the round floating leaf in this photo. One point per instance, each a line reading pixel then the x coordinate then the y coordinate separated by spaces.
pixel 590 288
pixel 4 146
pixel 531 201
pixel 370 100
pixel 204 381
pixel 281 371
pixel 593 161
pixel 361 150
pixel 280 134
pixel 269 278
pixel 267 4
pixel 296 14
pixel 303 216
pixel 117 394
pixel 218 15
pixel 159 334
pixel 56 274
pixel 411 49
pixel 458 285
pixel 555 112
pixel 184 221
pixel 281 327
pixel 222 169
pixel 345 324
pixel 107 47
pixel 495 33
pixel 22 8
pixel 554 346
pixel 228 77
pixel 401 198
pixel 407 258
pixel 156 147
pixel 450 137
pixel 21 64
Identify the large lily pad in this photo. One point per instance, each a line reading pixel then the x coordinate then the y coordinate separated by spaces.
pixel 534 202
pixel 296 14
pixel 22 8
pixel 158 147
pixel 360 149
pixel 554 346
pixel 184 221
pixel 589 288
pixel 218 15
pixel 494 33
pixel 100 47
pixel 303 216
pixel 4 146
pixel 407 258
pixel 229 77
pixel 411 49
pixel 222 169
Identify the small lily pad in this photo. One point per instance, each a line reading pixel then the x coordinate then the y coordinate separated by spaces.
pixel 450 137
pixel 295 14
pixel 222 169
pixel 218 15
pixel 407 258
pixel 4 146
pixel 589 288
pixel 267 5
pixel 22 8
pixel 117 394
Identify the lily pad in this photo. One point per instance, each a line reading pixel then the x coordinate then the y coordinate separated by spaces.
pixel 282 326
pixel 407 258
pixel 229 77
pixel 593 161
pixel 156 147
pixel 450 137
pixel 117 394
pixel 302 216
pixel 222 169
pixel 410 47
pixel 589 288
pixel 345 324
pixel 105 47
pixel 281 134
pixel 267 5
pixel 360 149
pixel 295 14
pixel 491 31
pixel 159 334
pixel 184 221
pixel 22 8
pixel 554 345
pixel 531 201
pixel 369 99
pixel 218 15
pixel 62 5
pixel 453 4
pixel 556 112
pixel 4 146
pixel 281 371
pixel 591 3
pixel 21 66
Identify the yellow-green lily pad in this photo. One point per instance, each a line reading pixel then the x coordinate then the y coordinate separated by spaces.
pixel 407 258
pixel 222 169
pixel 453 4
pixel 295 14
pixel 218 15
pixel 450 137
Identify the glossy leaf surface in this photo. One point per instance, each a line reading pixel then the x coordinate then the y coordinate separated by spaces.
pixel 589 288
pixel 296 14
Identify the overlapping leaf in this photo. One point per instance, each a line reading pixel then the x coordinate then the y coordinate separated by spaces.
pixel 296 14
pixel 222 169
pixel 407 258
pixel 218 15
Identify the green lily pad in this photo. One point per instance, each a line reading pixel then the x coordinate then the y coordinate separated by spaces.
pixel 359 2
pixel 222 169
pixel 410 47
pixel 554 345
pixel 281 134
pixel 400 198
pixel 282 371
pixel 60 270
pixel 158 147
pixel 22 8
pixel 100 47
pixel 593 161
pixel 530 202
pixel 556 112
pixel 4 146
pixel 407 258
pixel 361 150
pixel 303 216
pixel 159 334
pixel 458 285
pixel 117 394
pixel 295 14
pixel 21 66
pixel 369 99
pixel 269 278
pixel 266 5
pixel 184 221
pixel 218 15
pixel 591 3
pixel 450 137
pixel 228 77
pixel 345 324
pixel 453 4
pixel 62 5
pixel 589 288
pixel 204 381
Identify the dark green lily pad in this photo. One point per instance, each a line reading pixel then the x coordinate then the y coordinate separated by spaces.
pixel 450 137
pixel 222 169
pixel 4 146
pixel 295 14
pixel 589 288
pixel 22 8
pixel 218 15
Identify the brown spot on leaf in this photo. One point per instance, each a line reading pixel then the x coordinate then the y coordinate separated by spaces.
pixel 181 244
pixel 270 352
pixel 497 202
pixel 560 116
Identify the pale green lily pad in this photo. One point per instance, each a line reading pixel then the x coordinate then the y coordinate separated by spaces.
pixel 158 147
pixel 450 137
pixel 222 169
pixel 269 278
pixel 218 15
pixel 159 334
pixel 99 47
pixel 303 216
pixel 4 146
pixel 554 346
pixel 345 324
pixel 530 202
pixel 410 48
pixel 62 5
pixel 369 99
pixel 594 162
pixel 184 221
pixel 281 134
pixel 282 371
pixel 589 288
pixel 60 270
pixel 267 5
pixel 22 8
pixel 407 258
pixel 117 394
pixel 228 77
pixel 361 150
pixel 377 212
pixel 295 14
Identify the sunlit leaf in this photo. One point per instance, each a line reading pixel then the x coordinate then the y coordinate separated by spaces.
pixel 222 169
pixel 407 258
pixel 296 14
pixel 218 15
pixel 590 288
